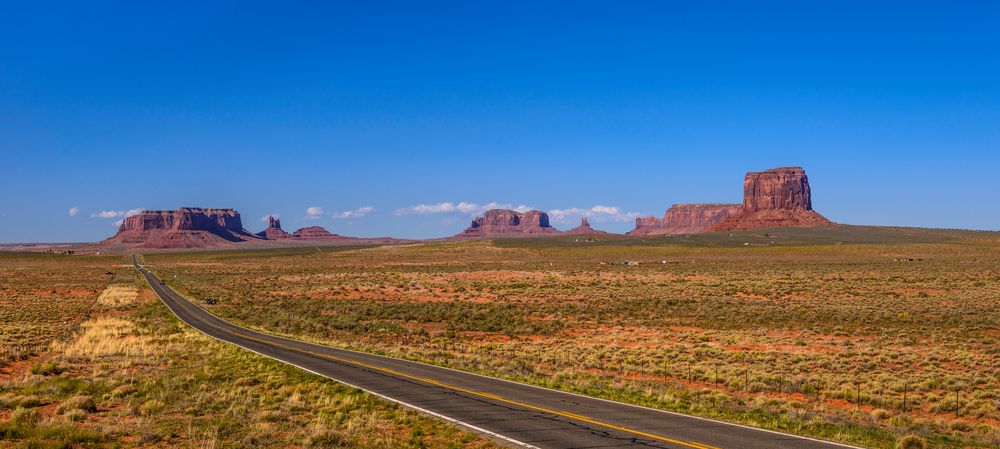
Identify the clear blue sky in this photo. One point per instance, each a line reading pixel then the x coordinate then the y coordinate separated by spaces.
pixel 894 110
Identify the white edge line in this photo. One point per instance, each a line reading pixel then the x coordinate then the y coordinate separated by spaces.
pixel 777 432
pixel 460 423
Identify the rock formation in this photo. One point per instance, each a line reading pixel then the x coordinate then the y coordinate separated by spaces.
pixel 273 230
pixel 694 218
pixel 187 227
pixel 315 233
pixel 772 198
pixel 646 225
pixel 584 229
pixel 504 222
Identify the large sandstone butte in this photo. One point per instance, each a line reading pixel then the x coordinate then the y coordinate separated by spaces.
pixel 779 197
pixel 187 227
pixel 646 225
pixel 584 229
pixel 273 230
pixel 509 223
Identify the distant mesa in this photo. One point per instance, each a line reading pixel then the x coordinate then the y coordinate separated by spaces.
pixel 646 225
pixel 195 227
pixel 273 230
pixel 694 218
pixel 316 233
pixel 779 197
pixel 584 229
pixel 187 227
pixel 509 223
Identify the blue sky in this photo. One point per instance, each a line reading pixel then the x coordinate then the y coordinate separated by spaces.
pixel 378 108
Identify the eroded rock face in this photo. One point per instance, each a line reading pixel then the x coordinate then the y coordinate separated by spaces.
pixel 778 197
pixel 646 225
pixel 584 229
pixel 694 218
pixel 273 230
pixel 315 233
pixel 505 222
pixel 187 227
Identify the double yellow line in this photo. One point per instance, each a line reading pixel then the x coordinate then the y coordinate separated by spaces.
pixel 574 416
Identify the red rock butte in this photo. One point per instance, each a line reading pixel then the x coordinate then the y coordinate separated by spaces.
pixel 315 233
pixel 646 225
pixel 273 230
pixel 684 219
pixel 509 223
pixel 584 229
pixel 187 227
pixel 779 197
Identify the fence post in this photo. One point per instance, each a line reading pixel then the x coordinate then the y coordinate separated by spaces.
pixel 956 402
pixel 746 379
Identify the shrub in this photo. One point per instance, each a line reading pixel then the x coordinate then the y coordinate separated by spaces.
pixel 911 442
pixel 81 403
pixel 46 369
pixel 328 439
pixel 151 406
pixel 25 417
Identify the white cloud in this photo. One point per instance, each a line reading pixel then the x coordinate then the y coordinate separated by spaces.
pixel 462 207
pixel 598 213
pixel 73 211
pixel 266 218
pixel 119 222
pixel 356 213
pixel 107 214
pixel 314 212
pixel 132 212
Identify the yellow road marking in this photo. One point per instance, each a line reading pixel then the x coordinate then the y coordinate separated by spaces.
pixel 691 444
pixel 575 416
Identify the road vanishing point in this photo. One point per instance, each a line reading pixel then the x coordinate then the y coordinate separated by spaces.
pixel 510 413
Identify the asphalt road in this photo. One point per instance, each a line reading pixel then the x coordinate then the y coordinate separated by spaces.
pixel 511 413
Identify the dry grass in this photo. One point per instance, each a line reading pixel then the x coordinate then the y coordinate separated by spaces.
pixel 781 335
pixel 118 296
pixel 133 376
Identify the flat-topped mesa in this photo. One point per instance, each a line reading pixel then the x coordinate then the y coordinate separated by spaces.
pixel 315 233
pixel 584 229
pixel 779 197
pixel 694 218
pixel 187 227
pixel 509 223
pixel 646 225
pixel 273 230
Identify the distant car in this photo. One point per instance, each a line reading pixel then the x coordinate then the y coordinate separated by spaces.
pixel 163 282
pixel 210 301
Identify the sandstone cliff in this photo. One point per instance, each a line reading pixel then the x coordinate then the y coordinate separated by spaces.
pixel 584 229
pixel 504 222
pixel 187 227
pixel 694 218
pixel 772 198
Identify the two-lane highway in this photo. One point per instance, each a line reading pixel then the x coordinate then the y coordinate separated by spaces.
pixel 512 413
